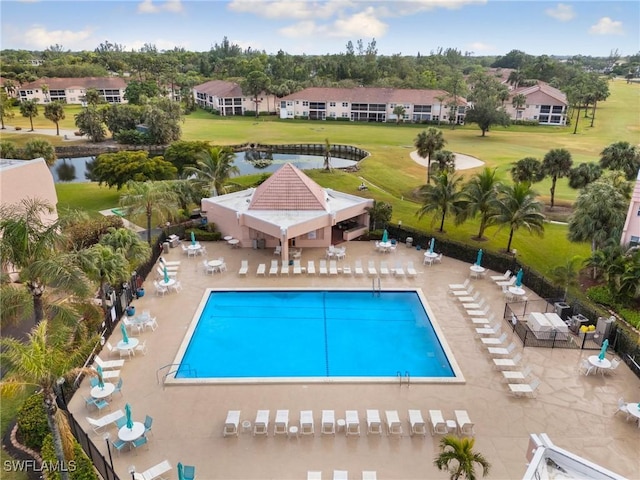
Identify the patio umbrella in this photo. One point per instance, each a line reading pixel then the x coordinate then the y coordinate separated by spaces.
pixel 432 244
pixel 123 329
pixel 519 278
pixel 603 350
pixel 479 258
pixel 166 274
pixel 100 380
pixel 180 471
pixel 193 238
pixel 385 236
pixel 127 411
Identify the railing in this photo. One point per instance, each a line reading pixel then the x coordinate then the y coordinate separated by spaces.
pixel 186 366
pixel 101 464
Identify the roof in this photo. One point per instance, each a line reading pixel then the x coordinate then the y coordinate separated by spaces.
pixel 288 189
pixel 219 88
pixel 82 82
pixel 371 95
pixel 541 87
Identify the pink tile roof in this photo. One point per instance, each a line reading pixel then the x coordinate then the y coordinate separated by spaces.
pixel 219 88
pixel 370 95
pixel 83 82
pixel 543 88
pixel 288 189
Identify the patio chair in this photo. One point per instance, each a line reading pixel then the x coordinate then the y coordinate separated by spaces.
pixel 231 423
pixel 463 293
pixel 311 267
pixel 341 253
pixel 281 424
pixel 223 265
pixel 306 422
pixel 188 472
pixel 470 298
pixel 384 269
pixel 156 471
pixel 323 268
pixel 438 259
pixel 151 323
pixel 244 267
pixel 208 269
pixel 107 364
pixel 507 283
pixel 185 250
pixel 615 363
pixel 99 403
pixel 142 347
pixel 261 424
pixel 502 350
pixel 261 269
pixel 622 407
pixel 474 305
pixel 510 375
pixel 284 269
pixel 358 268
pixel 333 267
pixel 494 341
pixel 346 269
pixel 118 388
pixel 99 424
pixel 478 313
pixel 394 427
pixel 465 425
pixel 148 424
pixel 131 325
pixel 522 389
pixel 277 250
pixel 121 422
pixel 352 422
pixel 328 426
pixel 459 286
pixel 371 269
pixel 273 270
pixel 416 422
pixel 94 382
pixel 398 271
pixel 438 424
pixel 139 442
pixel 118 445
pixel 505 363
pixel 160 290
pixel 374 425
pixel 411 271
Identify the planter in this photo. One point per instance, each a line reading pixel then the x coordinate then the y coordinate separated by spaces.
pixel 131 311
pixel 140 292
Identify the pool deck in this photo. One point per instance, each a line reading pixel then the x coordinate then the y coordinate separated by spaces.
pixel 576 411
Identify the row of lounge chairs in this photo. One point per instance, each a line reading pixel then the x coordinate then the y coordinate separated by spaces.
pixel 331 268
pixel 342 475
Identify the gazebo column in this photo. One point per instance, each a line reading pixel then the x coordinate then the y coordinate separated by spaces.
pixel 285 244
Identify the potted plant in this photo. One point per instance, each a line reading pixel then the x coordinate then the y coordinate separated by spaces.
pixel 140 292
pixel 131 311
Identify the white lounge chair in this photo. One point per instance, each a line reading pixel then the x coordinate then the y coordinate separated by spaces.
pixel 463 293
pixel 507 283
pixel 411 271
pixel 273 270
pixel 502 350
pixel 107 364
pixel 231 423
pixel 493 340
pixel 323 268
pixel 311 267
pixel 394 427
pixel 106 374
pixel 468 298
pixel 371 269
pixel 346 269
pixel 262 268
pixel 416 422
pixel 474 305
pixel 438 425
pixel 492 330
pixel 244 267
pixel 465 425
pixel 340 475
pixel 369 475
pixel 99 424
pixel 478 313
pixel 297 268
pixel 314 475
pixel 171 274
pixel 501 278
pixel 520 389
pixel 506 363
pixel 261 424
pixel 352 422
pixel 163 262
pixel 333 267
pixel 306 422
pixel 384 269
pixel 156 471
pixel 328 422
pixel 399 270
pixel 511 375
pixel 281 424
pixel 284 269
pixel 374 425
pixel 358 268
pixel 459 286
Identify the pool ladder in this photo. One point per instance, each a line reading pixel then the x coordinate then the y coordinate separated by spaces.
pixel 374 290
pixel 407 377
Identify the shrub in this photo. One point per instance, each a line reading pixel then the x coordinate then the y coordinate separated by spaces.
pixel 32 422
pixel 86 233
pixel 131 137
pixel 601 294
pixel 631 316
pixel 80 469
pixel 18 128
pixel 203 235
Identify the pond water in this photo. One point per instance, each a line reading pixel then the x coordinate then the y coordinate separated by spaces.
pixel 74 169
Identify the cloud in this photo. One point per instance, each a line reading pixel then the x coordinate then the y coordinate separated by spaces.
pixel 40 38
pixel 292 9
pixel 147 6
pixel 346 26
pixel 404 8
pixel 562 12
pixel 606 26
pixel 479 47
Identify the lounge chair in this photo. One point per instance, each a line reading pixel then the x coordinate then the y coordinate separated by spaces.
pixel 465 425
pixel 369 475
pixel 493 340
pixel 277 250
pixel 384 269
pixel 394 427
pixel 478 313
pixel 281 424
pixel 231 423
pixel 156 471
pixel 505 363
pixel 358 268
pixel 459 286
pixel 163 262
pixel 469 298
pixel 374 425
pixel 99 424
pixel 474 305
pixel 416 422
pixel 314 475
pixel 502 350
pixel 411 271
pixel 107 364
pixel 297 268
pixel 492 330
pixel 510 375
pixel 333 267
pixel 284 269
pixel 371 269
pixel 106 374
pixel 501 278
pixel 346 269
pixel 170 273
pixel 520 389
pixel 328 422
pixel 244 267
pixel 340 475
pixel 306 422
pixel 463 293
pixel 352 422
pixel 508 283
pixel 438 425
pixel 262 268
pixel 273 270
pixel 323 267
pixel 311 267
pixel 398 271
pixel 261 424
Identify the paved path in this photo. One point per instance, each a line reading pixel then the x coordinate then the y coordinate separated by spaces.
pixel 67 135
pixel 127 223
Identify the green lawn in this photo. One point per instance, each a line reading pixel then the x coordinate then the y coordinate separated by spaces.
pixel 8 412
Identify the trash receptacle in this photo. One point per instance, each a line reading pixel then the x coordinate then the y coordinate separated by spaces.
pixel 165 247
pixel 409 242
pixel 254 243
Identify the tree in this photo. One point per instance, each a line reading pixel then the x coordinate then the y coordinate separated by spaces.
pixel 487 113
pixel 518 101
pixel 380 214
pixel 444 160
pixel 54 111
pixel 516 207
pixel 138 92
pixel 256 83
pixel 37 148
pixel 162 118
pixel 121 117
pixel 566 275
pixel 557 164
pixel 327 155
pixel 8 150
pixel 128 243
pixel 46 356
pixel 584 174
pixel 213 169
pixel 443 198
pixel 621 156
pixel 5 109
pixel 116 169
pixel 459 459
pixel 479 196
pixel 29 109
pixel 148 199
pixel 93 97
pixel 600 92
pixel 427 143
pixel 104 265
pixel 184 153
pixel 90 122
pixel 528 170
pixel 399 112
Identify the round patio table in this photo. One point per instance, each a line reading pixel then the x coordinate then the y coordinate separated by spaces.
pixel 634 410
pixel 227 238
pixel 103 392
pixel 517 291
pixel 476 270
pixel 603 364
pixel 127 434
pixel 234 242
pixel 170 283
pixel 133 343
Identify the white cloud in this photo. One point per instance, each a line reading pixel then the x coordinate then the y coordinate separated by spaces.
pixel 562 12
pixel 606 26
pixel 295 9
pixel 404 8
pixel 40 38
pixel 479 47
pixel 148 6
pixel 347 26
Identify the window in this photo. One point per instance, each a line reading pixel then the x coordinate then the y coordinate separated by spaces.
pixel 639 211
pixel 392 106
pixel 557 109
pixel 283 104
pixel 345 104
pixel 305 103
pixel 545 109
pixel 544 118
pixel 332 104
pixel 555 119
pixel 332 114
pixel 345 115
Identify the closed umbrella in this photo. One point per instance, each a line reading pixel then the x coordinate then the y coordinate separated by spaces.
pixel 479 258
pixel 603 350
pixel 180 471
pixel 432 244
pixel 100 380
pixel 193 238
pixel 519 278
pixel 166 274
pixel 123 329
pixel 385 236
pixel 127 411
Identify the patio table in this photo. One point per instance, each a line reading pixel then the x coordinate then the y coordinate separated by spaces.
pixel 103 392
pixel 127 434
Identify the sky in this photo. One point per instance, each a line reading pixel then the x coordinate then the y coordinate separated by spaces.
pixel 476 27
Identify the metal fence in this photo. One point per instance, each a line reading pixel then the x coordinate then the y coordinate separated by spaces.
pixel 103 465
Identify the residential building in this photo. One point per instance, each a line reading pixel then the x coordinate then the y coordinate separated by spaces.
pixel 73 90
pixel 544 104
pixel 228 99
pixel 631 230
pixel 371 104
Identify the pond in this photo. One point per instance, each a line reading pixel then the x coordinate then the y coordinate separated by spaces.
pixel 74 169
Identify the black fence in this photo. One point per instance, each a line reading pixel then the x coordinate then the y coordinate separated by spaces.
pixel 103 465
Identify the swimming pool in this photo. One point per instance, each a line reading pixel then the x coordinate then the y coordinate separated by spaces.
pixel 313 335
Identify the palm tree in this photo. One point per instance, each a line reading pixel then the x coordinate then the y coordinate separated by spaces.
pixel 584 174
pixel 517 207
pixel 399 112
pixel 5 109
pixel 442 198
pixel 441 99
pixel 148 199
pixel 566 275
pixel 380 213
pixel 444 161
pixel 528 169
pixel 621 156
pixel 37 148
pixel 40 362
pixel 213 168
pixel 458 458
pixel 128 243
pixel 104 265
pixel 31 246
pixel 327 154
pixel 557 164
pixel 8 150
pixel 479 196
pixel 427 142
pixel 29 109
pixel 54 111
pixel 518 101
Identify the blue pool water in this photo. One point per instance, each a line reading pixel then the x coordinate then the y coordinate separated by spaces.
pixel 313 334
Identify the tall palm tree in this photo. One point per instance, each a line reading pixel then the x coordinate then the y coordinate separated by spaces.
pixel 39 362
pixel 36 148
pixel 213 168
pixel 327 154
pixel 566 275
pixel 445 160
pixel 584 174
pixel 459 459
pixel 518 101
pixel 528 169
pixel 427 142
pixel 5 109
pixel 442 198
pixel 54 111
pixel 479 196
pixel 29 109
pixel 145 199
pixel 557 164
pixel 104 265
pixel 128 243
pixel 380 214
pixel 621 156
pixel 516 207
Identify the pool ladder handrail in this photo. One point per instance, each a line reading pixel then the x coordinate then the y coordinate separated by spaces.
pixel 373 287
pixel 180 365
pixel 407 377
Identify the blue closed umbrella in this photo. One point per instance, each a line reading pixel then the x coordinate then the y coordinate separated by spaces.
pixel 385 236
pixel 123 329
pixel 180 471
pixel 519 278
pixel 479 258
pixel 603 350
pixel 100 380
pixel 432 244
pixel 127 411
pixel 166 274
pixel 193 238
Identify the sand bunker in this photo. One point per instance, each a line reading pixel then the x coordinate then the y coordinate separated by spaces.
pixel 463 162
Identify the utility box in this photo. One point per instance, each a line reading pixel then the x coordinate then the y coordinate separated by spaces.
pixel 165 247
pixel 254 243
pixel 409 242
pixel 603 329
pixel 563 310
pixel 577 321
